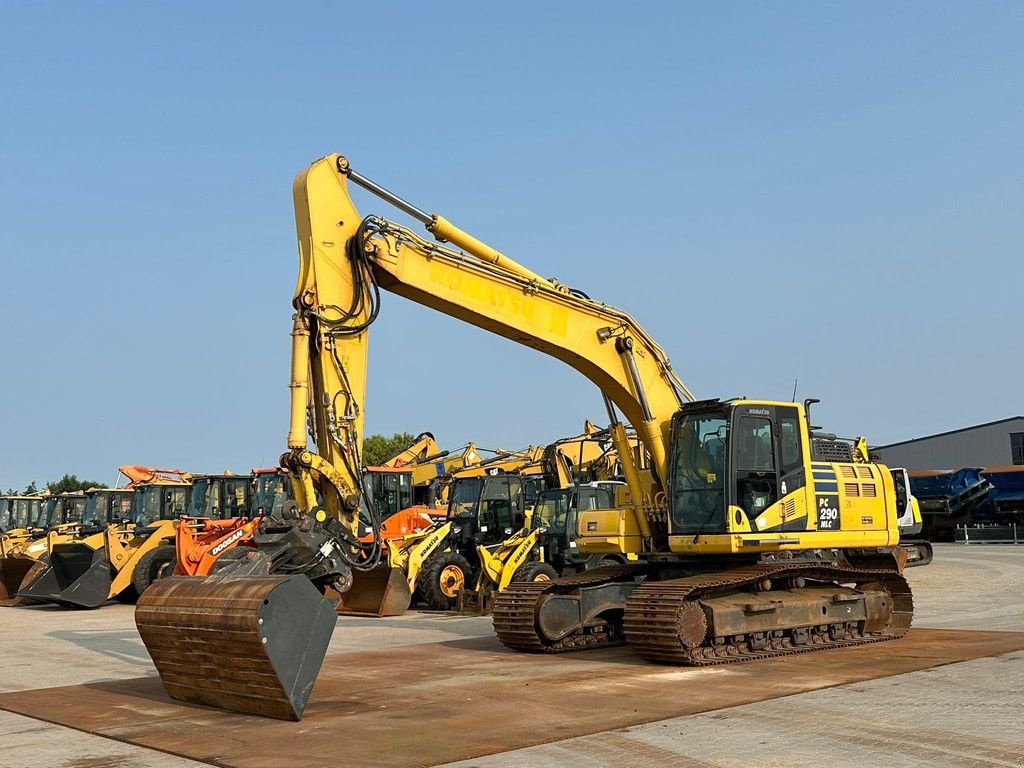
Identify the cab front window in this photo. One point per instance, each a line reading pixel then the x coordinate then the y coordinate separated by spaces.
pixel 697 472
pixel 552 509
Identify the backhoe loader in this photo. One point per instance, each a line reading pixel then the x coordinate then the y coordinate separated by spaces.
pixel 754 537
pixel 117 562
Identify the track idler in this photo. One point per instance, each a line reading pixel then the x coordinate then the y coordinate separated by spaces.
pixel 16 571
pixel 251 644
pixel 77 576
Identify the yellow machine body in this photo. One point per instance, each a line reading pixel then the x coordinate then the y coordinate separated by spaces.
pixel 825 504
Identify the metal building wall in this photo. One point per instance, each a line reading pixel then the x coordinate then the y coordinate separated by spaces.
pixel 982 446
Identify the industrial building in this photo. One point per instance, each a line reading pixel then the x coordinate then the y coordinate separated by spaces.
pixel 996 443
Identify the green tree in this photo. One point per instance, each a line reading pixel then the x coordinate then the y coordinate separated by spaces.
pixel 377 448
pixel 31 489
pixel 71 483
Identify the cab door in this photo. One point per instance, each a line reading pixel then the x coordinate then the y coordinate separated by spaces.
pixel 792 472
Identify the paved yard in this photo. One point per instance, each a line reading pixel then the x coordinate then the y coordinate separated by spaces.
pixel 964 714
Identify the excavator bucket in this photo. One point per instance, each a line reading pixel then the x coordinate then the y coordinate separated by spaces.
pixel 251 644
pixel 15 572
pixel 381 591
pixel 77 576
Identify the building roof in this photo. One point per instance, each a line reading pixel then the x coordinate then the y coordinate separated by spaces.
pixel 950 432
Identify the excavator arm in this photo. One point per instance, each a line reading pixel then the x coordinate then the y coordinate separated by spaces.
pixel 345 260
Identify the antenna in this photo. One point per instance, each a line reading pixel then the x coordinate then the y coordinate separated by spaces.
pixel 795 382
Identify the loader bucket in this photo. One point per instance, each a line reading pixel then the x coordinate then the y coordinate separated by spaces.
pixel 381 591
pixel 251 644
pixel 77 576
pixel 15 572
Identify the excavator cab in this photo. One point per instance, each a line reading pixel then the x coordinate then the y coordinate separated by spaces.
pixel 748 477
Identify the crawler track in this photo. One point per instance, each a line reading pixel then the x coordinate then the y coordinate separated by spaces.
pixel 515 614
pixel 654 611
pixel 659 613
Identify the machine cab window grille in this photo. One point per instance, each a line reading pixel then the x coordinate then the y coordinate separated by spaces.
pixel 1017 447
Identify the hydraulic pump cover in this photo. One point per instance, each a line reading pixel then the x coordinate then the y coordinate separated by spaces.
pixel 251 644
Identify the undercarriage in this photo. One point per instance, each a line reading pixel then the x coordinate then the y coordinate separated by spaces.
pixel 710 613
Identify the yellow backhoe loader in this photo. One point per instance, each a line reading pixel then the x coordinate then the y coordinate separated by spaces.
pixel 755 536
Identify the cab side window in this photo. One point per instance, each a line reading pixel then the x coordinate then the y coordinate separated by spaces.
pixel 789 441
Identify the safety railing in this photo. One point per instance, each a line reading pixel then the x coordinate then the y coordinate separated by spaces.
pixel 989 534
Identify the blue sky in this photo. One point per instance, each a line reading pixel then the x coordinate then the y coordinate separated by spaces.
pixel 828 192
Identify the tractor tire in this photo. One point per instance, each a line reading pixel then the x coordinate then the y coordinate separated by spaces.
pixel 152 566
pixel 535 571
pixel 443 576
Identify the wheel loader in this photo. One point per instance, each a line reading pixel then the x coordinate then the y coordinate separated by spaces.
pixel 21 525
pixel 743 502
pixel 117 562
pixel 543 549
pixel 218 507
pixel 24 554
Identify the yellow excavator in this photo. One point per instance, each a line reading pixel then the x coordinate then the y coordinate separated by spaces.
pixel 755 537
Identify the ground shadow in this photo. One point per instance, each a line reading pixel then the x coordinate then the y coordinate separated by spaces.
pixel 121 644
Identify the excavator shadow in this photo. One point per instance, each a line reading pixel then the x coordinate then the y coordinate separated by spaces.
pixel 619 655
pixel 123 645
pixel 378 701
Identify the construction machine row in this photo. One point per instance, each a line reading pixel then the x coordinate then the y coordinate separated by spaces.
pixel 694 531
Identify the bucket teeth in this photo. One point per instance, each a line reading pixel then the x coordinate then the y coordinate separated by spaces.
pixel 246 644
